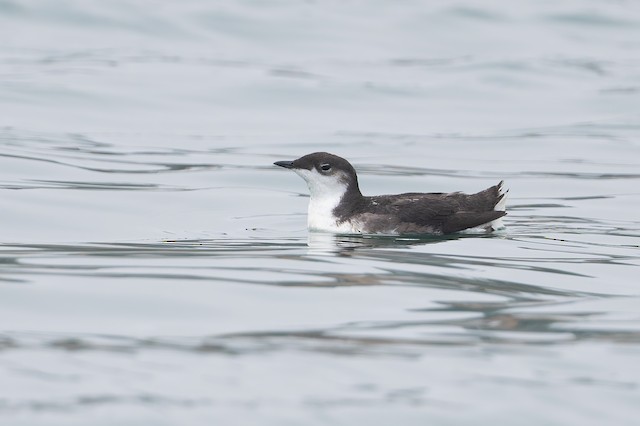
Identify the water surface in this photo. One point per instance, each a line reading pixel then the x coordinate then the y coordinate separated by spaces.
pixel 155 268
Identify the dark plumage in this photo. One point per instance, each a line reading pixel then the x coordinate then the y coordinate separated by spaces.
pixel 409 213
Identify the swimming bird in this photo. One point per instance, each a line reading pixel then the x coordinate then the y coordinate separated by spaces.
pixel 338 206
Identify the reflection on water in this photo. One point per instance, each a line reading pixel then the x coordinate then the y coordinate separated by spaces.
pixel 535 272
pixel 154 265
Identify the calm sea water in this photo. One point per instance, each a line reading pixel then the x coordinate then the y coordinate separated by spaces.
pixel 155 268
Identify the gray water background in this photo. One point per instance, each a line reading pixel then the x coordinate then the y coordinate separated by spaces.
pixel 155 268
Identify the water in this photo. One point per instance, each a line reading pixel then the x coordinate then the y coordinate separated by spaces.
pixel 155 268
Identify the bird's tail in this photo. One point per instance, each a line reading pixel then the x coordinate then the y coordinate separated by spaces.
pixel 500 206
pixel 501 202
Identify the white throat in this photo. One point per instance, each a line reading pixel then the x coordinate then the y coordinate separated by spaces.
pixel 326 193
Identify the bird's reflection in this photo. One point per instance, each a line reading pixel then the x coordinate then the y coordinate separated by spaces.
pixel 328 243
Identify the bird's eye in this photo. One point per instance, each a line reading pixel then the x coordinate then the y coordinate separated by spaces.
pixel 325 167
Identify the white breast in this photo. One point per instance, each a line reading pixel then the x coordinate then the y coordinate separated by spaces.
pixel 326 193
pixel 320 215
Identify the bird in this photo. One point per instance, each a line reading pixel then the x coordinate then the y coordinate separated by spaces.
pixel 336 204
